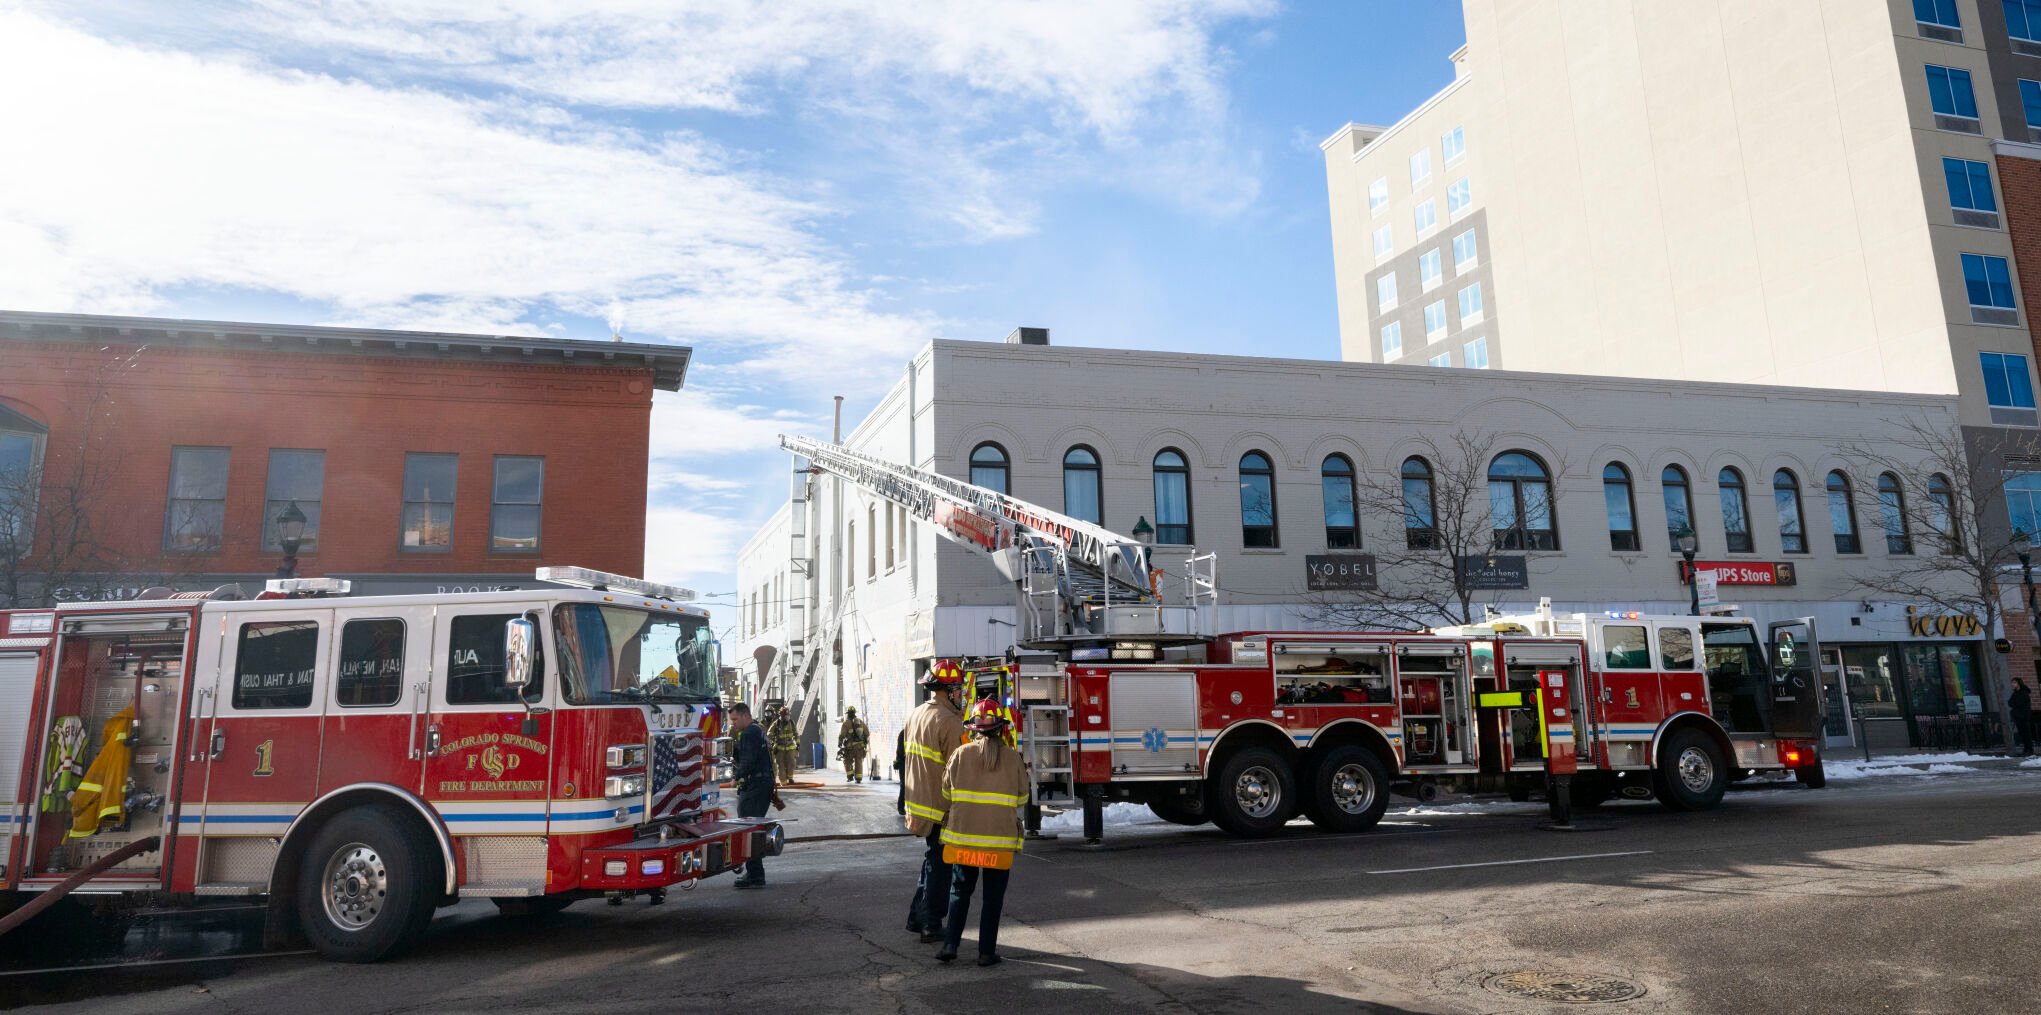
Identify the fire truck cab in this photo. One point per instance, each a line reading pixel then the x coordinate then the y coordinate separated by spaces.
pixel 361 761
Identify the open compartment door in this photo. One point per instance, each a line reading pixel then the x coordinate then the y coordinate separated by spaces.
pixel 1798 697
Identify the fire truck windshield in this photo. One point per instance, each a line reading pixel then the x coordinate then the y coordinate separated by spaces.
pixel 612 655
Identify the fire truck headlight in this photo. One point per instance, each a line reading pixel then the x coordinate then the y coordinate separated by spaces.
pixel 615 868
pixel 623 786
pixel 652 867
pixel 625 756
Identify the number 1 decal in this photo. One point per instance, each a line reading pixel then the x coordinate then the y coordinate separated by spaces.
pixel 264 753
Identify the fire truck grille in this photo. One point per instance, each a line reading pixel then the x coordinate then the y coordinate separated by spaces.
pixel 679 775
pixel 1565 987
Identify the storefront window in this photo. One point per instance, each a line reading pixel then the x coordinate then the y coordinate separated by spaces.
pixel 1925 688
pixel 1868 669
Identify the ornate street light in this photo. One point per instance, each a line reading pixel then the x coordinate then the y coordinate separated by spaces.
pixel 290 534
pixel 1144 531
pixel 1688 544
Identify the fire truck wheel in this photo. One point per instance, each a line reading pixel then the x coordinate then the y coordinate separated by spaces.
pixel 1813 776
pixel 1349 790
pixel 544 905
pixel 1181 808
pixel 1590 792
pixel 366 886
pixel 1253 794
pixel 1691 773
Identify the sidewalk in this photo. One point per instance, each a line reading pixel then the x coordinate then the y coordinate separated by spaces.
pixel 1851 765
pixel 822 804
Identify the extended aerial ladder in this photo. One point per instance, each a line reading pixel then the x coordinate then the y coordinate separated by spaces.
pixel 1079 584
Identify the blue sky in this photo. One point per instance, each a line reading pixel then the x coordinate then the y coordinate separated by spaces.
pixel 805 191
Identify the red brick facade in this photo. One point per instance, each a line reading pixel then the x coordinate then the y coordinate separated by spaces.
pixel 2020 187
pixel 126 406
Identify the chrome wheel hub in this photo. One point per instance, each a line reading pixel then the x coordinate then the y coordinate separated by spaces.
pixel 357 885
pixel 1257 792
pixel 1353 789
pixel 1696 771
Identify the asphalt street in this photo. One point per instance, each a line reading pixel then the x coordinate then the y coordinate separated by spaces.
pixel 1905 894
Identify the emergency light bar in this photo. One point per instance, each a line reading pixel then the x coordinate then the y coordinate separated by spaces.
pixel 308 586
pixel 603 581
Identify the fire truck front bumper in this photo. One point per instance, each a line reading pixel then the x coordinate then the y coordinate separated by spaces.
pixel 688 853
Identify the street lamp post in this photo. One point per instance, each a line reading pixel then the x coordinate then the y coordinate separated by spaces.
pixel 1688 543
pixel 290 534
pixel 1144 531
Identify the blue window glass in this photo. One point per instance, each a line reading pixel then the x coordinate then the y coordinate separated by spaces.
pixel 2023 18
pixel 1949 92
pixel 2030 100
pixel 2005 380
pixel 2023 501
pixel 1988 280
pixel 1943 12
pixel 1969 185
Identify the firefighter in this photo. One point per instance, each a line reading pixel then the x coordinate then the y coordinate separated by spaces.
pixel 752 770
pixel 984 786
pixel 851 740
pixel 779 730
pixel 933 733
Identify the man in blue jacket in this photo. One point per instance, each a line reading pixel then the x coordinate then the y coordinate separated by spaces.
pixel 752 770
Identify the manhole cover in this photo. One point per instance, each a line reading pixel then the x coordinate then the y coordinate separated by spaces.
pixel 1567 988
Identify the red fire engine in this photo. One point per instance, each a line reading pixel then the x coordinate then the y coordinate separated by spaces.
pixel 1132 700
pixel 361 761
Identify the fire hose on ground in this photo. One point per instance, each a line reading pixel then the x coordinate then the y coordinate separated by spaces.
pixel 75 881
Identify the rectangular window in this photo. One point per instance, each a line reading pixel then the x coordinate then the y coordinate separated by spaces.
pixel 1459 198
pixel 1385 293
pixel 427 522
pixel 20 483
pixel 2023 500
pixel 295 478
pixel 1429 269
pixel 474 663
pixel 1435 321
pixel 1392 340
pixel 2030 100
pixel 1470 304
pixel 514 513
pixel 1426 217
pixel 1465 254
pixel 1969 185
pixel 371 669
pixel 2023 17
pixel 1675 648
pixel 1475 354
pixel 197 515
pixel 871 542
pixel 1378 196
pixel 1943 12
pixel 1420 167
pixel 1385 242
pixel 1444 359
pixel 1949 92
pixel 889 537
pixel 2005 381
pixel 1626 648
pixel 276 663
pixel 1988 281
pixel 1454 145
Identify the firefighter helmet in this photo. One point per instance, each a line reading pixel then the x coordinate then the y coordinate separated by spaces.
pixel 987 716
pixel 944 673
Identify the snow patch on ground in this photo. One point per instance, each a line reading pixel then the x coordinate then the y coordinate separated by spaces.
pixel 1115 814
pixel 2031 763
pixel 1936 764
pixel 1479 807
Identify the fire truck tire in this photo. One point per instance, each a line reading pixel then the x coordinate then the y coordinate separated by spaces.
pixel 1691 774
pixel 544 905
pixel 1181 808
pixel 1253 794
pixel 1349 790
pixel 1590 792
pixel 367 886
pixel 1813 776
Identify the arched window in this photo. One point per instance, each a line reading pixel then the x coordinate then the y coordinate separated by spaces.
pixel 1342 521
pixel 989 468
pixel 1172 497
pixel 1892 515
pixel 1622 507
pixel 1520 503
pixel 1420 521
pixel 21 453
pixel 1257 501
pixel 1792 526
pixel 1942 514
pixel 1735 511
pixel 1679 503
pixel 1082 495
pixel 1842 514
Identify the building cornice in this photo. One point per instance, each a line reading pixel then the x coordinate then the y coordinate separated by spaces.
pixel 1411 117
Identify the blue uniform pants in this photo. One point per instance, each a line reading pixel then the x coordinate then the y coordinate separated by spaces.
pixel 988 917
pixel 753 804
pixel 932 892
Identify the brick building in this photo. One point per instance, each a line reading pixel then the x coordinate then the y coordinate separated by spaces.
pixel 139 451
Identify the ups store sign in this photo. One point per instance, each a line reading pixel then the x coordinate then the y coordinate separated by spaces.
pixel 1332 572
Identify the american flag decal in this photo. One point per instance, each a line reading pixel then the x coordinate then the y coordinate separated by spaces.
pixel 678 774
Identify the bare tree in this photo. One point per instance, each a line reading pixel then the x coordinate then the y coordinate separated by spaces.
pixel 1942 507
pixel 1453 518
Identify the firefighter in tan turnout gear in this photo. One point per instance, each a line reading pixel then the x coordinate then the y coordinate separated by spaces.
pixel 934 732
pixel 986 784
pixel 851 740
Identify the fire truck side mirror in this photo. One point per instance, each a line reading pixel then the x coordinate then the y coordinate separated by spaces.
pixel 520 641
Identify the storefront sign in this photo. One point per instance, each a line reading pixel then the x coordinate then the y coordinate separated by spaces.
pixel 1942 625
pixel 1743 572
pixel 1329 572
pixel 1489 571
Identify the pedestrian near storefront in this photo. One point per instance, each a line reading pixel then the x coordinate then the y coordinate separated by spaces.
pixel 933 733
pixel 752 769
pixel 2021 704
pixel 985 785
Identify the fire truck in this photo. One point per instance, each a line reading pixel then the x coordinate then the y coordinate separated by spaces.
pixel 1126 697
pixel 358 762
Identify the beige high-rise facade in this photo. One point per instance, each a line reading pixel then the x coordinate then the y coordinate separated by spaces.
pixel 1725 190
